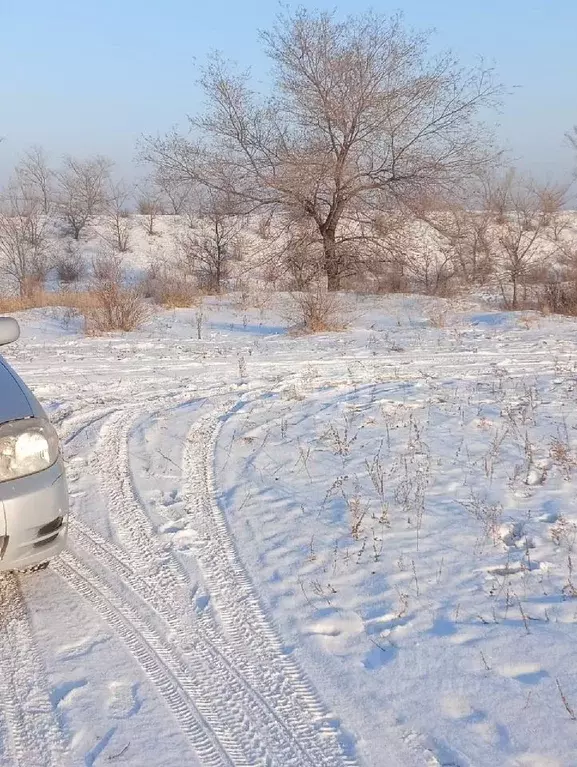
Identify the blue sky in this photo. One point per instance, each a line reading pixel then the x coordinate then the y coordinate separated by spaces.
pixel 85 77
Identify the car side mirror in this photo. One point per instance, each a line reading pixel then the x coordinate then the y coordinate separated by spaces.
pixel 9 330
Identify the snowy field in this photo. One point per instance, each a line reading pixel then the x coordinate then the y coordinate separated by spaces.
pixel 346 549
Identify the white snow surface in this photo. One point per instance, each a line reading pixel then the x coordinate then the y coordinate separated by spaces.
pixel 353 548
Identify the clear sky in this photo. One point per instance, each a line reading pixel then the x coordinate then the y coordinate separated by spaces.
pixel 85 76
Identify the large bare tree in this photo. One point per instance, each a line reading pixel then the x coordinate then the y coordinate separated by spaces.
pixel 360 120
pixel 81 191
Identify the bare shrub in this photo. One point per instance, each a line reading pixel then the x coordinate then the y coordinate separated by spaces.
pixel 430 271
pixel 463 237
pixel 207 252
pixel 558 297
pixel 522 235
pixel 317 311
pixel 70 266
pixel 204 259
pixel 168 288
pixel 115 306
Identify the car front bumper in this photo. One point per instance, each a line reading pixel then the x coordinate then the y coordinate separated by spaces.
pixel 35 511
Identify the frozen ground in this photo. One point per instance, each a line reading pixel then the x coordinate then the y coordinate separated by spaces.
pixel 354 548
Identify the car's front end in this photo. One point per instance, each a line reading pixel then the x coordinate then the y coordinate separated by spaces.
pixel 35 510
pixel 33 490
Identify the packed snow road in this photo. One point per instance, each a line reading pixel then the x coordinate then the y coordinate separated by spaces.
pixel 151 641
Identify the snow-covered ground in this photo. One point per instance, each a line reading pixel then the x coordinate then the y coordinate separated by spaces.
pixel 345 549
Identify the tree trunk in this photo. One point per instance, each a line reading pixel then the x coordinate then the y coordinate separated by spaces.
pixel 331 264
pixel 219 256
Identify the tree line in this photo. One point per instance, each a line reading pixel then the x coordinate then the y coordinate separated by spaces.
pixel 365 161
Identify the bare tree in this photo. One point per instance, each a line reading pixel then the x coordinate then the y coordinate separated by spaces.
pixel 149 203
pixel 81 191
pixel 24 258
pixel 35 175
pixel 460 231
pixel 361 118
pixel 118 215
pixel 572 136
pixel 207 253
pixel 177 193
pixel 523 231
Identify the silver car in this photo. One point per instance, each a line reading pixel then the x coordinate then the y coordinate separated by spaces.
pixel 33 491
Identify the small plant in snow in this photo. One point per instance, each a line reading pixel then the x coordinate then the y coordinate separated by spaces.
pixel 199 322
pixel 488 514
pixel 564 533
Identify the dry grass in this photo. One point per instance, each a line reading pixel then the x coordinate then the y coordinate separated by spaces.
pixel 178 295
pixel 68 299
pixel 105 308
pixel 171 290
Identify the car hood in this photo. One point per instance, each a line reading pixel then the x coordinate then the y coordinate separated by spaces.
pixel 16 400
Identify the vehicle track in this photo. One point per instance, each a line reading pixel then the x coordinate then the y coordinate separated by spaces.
pixel 239 608
pixel 232 699
pixel 34 738
pixel 169 677
pixel 282 707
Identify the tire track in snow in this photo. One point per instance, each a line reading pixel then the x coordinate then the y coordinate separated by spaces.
pixel 226 689
pixel 138 538
pixel 34 737
pixel 240 611
pixel 170 680
pixel 264 688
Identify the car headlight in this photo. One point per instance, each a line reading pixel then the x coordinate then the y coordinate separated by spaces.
pixel 27 446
